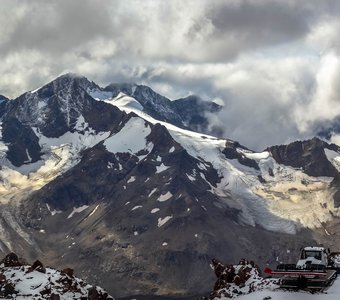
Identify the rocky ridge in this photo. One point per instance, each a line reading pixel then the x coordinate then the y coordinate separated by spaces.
pixel 235 280
pixel 18 280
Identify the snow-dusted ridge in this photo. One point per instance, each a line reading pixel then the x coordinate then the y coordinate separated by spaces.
pixel 241 182
pixel 20 281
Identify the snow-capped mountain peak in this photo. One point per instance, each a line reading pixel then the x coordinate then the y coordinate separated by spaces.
pixel 111 174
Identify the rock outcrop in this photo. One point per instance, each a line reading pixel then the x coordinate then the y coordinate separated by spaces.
pixel 235 280
pixel 39 282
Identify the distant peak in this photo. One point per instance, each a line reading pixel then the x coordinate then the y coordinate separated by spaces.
pixel 3 98
pixel 125 86
pixel 69 77
pixel 66 81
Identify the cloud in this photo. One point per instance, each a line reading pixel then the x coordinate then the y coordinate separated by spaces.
pixel 57 26
pixel 324 101
pixel 273 63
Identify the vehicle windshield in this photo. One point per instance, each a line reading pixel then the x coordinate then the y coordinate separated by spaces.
pixel 306 253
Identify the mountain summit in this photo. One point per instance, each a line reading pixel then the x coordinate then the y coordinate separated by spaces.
pixel 116 183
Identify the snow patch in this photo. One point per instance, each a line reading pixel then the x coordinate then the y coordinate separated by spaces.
pixel 126 102
pixel 164 197
pixel 29 158
pixel 161 221
pixel 255 156
pixel 77 210
pixel 333 157
pixel 161 168
pixel 92 212
pixel 53 212
pixel 131 138
pixel 152 192
pixel 136 207
pixel 30 285
pixel 132 179
pixel 99 95
pixel 192 178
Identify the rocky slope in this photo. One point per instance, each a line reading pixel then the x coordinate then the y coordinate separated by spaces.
pixel 102 180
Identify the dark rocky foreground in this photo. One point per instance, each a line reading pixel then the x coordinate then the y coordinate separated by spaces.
pixel 152 297
pixel 234 280
pixel 18 279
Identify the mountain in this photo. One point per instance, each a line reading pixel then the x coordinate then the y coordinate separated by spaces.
pixel 3 98
pixel 326 129
pixel 188 113
pixel 310 156
pixel 111 182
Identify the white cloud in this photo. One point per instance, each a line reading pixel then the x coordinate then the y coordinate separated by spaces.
pixel 273 63
pixel 324 102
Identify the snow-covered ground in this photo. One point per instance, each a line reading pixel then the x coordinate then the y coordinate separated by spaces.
pixel 33 284
pixel 332 293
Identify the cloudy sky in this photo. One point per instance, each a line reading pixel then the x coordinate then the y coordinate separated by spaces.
pixel 275 64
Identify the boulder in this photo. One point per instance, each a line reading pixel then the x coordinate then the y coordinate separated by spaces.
pixel 37 266
pixel 11 260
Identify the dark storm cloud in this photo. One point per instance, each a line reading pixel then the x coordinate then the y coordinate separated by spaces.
pixel 260 23
pixel 239 26
pixel 58 26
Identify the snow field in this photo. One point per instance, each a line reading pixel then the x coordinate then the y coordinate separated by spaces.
pixel 239 182
pixel 331 293
pixel 131 138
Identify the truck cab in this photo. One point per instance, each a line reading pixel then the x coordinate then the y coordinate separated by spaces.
pixel 312 258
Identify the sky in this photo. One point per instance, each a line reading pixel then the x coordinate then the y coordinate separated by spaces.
pixel 275 65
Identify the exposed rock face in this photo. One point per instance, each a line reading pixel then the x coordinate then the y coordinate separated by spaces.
pixel 37 266
pixel 190 112
pixel 55 108
pixel 308 155
pixel 11 260
pixel 3 105
pixel 23 144
pixel 230 151
pixel 3 98
pixel 193 111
